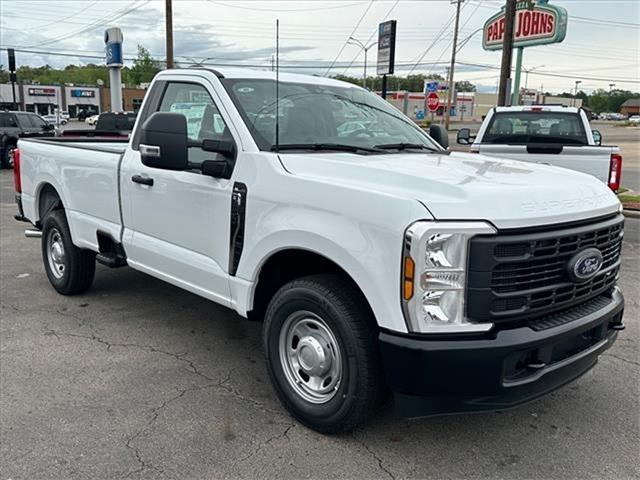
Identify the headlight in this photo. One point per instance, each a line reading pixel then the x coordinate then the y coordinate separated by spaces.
pixel 434 276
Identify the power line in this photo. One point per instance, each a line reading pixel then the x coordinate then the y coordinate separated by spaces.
pixel 314 9
pixel 98 23
pixel 58 21
pixel 433 44
pixel 372 34
pixel 351 35
pixel 400 65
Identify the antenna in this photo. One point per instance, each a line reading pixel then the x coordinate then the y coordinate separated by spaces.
pixel 277 145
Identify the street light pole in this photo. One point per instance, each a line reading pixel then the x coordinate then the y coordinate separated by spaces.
pixel 365 48
pixel 526 73
pixel 575 96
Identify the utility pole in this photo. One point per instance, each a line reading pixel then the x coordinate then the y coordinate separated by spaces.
pixel 168 23
pixel 611 85
pixel 507 50
pixel 453 63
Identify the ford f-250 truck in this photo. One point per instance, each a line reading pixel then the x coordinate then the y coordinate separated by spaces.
pixel 375 257
pixel 552 134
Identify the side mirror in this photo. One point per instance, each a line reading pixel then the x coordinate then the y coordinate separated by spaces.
pixel 440 135
pixel 215 168
pixel 227 148
pixel 464 136
pixel 48 127
pixel 163 141
pixel 597 137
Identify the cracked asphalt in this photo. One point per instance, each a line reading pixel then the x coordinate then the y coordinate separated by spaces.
pixel 138 379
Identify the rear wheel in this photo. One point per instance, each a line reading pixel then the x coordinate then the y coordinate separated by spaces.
pixel 70 269
pixel 322 353
pixel 5 158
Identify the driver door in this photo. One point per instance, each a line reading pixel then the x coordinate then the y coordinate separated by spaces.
pixel 178 227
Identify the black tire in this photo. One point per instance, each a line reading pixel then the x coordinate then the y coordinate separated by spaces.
pixel 343 310
pixel 4 157
pixel 79 265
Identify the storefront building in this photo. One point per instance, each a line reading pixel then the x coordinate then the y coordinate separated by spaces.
pixel 82 99
pixel 6 96
pixel 41 99
pixel 131 99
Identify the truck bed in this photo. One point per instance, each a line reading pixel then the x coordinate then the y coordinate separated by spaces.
pixel 85 173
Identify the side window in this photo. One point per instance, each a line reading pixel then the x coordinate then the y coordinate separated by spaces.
pixel 24 122
pixel 203 117
pixel 37 121
pixel 8 120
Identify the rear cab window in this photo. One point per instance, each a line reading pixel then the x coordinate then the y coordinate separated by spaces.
pixel 522 128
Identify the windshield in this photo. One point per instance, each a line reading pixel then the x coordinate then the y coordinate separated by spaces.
pixel 521 128
pixel 326 117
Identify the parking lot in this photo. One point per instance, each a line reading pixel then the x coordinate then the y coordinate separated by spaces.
pixel 139 379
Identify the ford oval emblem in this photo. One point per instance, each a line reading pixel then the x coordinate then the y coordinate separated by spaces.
pixel 585 264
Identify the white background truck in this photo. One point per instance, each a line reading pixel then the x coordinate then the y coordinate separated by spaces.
pixel 375 257
pixel 549 134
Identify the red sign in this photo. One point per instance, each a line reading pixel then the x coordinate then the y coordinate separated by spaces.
pixel 433 101
pixel 539 25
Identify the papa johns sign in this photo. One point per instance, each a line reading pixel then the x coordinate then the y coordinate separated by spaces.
pixel 538 26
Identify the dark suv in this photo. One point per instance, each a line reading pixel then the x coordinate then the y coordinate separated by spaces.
pixel 14 125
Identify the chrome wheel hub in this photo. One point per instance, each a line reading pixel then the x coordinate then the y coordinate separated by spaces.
pixel 55 253
pixel 310 357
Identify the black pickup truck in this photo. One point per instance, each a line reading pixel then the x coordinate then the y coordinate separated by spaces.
pixel 15 125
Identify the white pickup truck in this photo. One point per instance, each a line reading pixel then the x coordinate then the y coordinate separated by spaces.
pixel 375 257
pixel 549 134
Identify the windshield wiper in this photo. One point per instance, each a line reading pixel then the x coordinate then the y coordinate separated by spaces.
pixel 343 147
pixel 405 146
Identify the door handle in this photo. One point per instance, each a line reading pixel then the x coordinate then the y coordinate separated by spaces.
pixel 143 180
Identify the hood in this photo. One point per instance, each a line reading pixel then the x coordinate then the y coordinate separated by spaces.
pixel 464 186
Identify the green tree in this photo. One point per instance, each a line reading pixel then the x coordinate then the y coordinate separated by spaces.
pixel 465 86
pixel 143 70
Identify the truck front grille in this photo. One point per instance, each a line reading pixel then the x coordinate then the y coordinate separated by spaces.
pixel 525 275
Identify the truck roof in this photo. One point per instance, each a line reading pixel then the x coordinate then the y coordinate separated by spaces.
pixel 240 72
pixel 541 108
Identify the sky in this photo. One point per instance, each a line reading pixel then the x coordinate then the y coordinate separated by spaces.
pixel 601 46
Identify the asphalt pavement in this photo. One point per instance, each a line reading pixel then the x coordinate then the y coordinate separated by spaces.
pixel 139 379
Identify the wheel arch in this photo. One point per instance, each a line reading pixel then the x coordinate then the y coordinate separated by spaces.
pixel 290 263
pixel 47 199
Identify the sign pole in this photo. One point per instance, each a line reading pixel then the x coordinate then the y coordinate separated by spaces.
pixel 516 83
pixel 384 86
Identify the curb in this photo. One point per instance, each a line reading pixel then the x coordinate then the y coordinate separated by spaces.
pixel 631 213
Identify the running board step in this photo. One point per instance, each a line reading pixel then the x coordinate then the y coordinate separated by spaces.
pixel 111 260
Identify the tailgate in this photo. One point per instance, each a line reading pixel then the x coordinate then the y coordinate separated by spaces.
pixel 594 160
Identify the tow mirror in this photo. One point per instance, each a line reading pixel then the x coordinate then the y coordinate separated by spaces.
pixel 227 148
pixel 597 137
pixel 439 134
pixel 163 141
pixel 464 136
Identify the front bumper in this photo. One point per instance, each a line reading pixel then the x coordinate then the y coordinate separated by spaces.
pixel 501 369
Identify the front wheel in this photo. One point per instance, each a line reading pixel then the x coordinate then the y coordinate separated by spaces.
pixel 70 269
pixel 322 353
